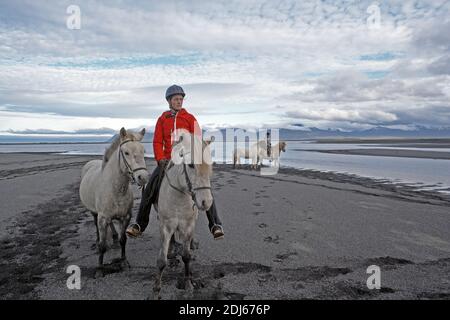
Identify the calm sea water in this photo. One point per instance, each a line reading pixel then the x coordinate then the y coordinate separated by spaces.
pixel 427 174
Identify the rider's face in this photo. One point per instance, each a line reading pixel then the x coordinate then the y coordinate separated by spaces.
pixel 176 102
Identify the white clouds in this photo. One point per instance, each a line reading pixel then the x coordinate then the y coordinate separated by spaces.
pixel 249 56
pixel 22 121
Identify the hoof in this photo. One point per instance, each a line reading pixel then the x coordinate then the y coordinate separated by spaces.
pixel 188 286
pixel 156 294
pixel 115 245
pixel 99 273
pixel 125 264
pixel 195 244
pixel 172 255
pixel 173 263
pixel 188 293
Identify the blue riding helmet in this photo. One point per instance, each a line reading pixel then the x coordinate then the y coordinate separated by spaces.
pixel 173 90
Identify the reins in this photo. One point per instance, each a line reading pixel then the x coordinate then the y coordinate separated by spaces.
pixel 191 190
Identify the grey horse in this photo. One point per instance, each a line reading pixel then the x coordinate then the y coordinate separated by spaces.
pixel 105 188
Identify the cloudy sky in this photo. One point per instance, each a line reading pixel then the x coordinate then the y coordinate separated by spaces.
pixel 327 64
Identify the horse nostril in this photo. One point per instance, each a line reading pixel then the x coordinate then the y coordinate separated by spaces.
pixel 203 204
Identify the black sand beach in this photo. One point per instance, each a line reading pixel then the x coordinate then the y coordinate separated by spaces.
pixel 299 234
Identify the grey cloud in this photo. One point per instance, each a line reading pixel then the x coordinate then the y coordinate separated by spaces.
pixel 432 115
pixel 344 114
pixel 441 66
pixel 432 35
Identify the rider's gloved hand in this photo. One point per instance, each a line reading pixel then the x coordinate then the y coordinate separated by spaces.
pixel 163 163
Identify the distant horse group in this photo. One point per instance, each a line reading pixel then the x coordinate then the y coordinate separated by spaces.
pixel 259 151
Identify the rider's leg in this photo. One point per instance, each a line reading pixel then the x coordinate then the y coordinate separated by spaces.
pixel 214 223
pixel 145 207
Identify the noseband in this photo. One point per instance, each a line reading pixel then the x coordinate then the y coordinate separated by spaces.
pixel 191 190
pixel 130 171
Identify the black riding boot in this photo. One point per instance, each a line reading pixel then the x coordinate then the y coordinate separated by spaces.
pixel 214 223
pixel 149 196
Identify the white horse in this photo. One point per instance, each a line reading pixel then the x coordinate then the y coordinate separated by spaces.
pixel 250 153
pixel 184 190
pixel 257 152
pixel 105 191
pixel 275 152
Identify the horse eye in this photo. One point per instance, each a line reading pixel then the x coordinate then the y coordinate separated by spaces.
pixel 126 153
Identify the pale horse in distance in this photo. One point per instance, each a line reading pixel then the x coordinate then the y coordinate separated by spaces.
pixel 185 189
pixel 257 152
pixel 275 152
pixel 105 188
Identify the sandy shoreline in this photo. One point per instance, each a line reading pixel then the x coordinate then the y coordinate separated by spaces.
pixel 389 153
pixel 298 234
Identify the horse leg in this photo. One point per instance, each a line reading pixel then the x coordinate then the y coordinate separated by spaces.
pixel 254 162
pixel 187 259
pixel 95 245
pixel 161 262
pixel 123 239
pixel 102 225
pixel 115 235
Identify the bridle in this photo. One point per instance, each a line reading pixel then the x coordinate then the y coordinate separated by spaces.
pixel 130 171
pixel 191 189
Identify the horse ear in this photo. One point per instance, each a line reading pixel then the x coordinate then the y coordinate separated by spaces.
pixel 142 133
pixel 123 133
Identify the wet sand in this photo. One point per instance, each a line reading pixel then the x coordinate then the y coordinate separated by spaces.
pixel 298 234
pixel 389 153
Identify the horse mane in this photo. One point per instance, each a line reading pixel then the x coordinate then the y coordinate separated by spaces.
pixel 114 145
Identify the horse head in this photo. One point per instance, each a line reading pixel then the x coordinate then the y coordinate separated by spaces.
pixel 131 151
pixel 195 155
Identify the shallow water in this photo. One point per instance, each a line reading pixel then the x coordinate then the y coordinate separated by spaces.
pixel 426 174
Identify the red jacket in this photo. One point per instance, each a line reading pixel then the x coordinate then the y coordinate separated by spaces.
pixel 162 144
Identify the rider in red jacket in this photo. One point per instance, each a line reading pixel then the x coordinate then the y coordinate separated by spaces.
pixel 175 118
pixel 167 122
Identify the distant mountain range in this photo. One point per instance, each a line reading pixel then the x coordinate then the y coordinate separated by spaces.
pixel 302 133
pixel 377 132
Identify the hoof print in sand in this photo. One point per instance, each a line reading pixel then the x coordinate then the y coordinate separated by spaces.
pixel 283 256
pixel 266 278
pixel 271 239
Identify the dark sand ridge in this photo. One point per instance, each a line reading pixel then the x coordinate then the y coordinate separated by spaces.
pixel 388 153
pixel 299 234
